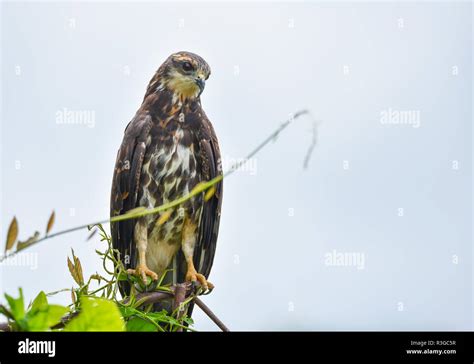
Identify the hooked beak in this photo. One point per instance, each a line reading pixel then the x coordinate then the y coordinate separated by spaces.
pixel 200 83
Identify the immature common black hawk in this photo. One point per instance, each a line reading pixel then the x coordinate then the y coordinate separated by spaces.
pixel 168 148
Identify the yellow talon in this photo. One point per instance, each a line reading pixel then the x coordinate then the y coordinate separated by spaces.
pixel 193 276
pixel 143 271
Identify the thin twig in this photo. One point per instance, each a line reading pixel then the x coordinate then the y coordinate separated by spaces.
pixel 147 298
pixel 4 326
pixel 211 314
pixel 179 297
pixel 314 140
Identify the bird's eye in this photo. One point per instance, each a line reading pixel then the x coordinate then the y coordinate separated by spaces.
pixel 187 66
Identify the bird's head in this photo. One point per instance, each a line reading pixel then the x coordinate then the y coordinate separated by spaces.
pixel 184 74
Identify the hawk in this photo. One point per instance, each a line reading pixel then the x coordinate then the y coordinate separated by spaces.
pixel 168 148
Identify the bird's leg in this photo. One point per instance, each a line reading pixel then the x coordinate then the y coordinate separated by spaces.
pixel 187 245
pixel 141 241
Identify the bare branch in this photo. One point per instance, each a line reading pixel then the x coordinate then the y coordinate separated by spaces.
pixel 211 314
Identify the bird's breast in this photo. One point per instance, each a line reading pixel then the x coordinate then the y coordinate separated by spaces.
pixel 170 171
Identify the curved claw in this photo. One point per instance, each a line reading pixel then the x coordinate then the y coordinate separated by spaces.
pixel 209 290
pixel 143 271
pixel 194 277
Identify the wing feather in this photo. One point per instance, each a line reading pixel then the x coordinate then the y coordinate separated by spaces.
pixel 210 218
pixel 125 184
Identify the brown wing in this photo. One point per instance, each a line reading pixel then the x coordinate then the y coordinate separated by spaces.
pixel 209 225
pixel 125 185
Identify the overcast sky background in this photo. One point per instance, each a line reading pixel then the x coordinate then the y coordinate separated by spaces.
pixel 400 196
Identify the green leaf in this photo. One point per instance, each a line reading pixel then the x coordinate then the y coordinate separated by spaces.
pixel 17 306
pixel 42 316
pixel 96 314
pixel 122 276
pixel 39 302
pixel 139 324
pixel 5 312
pixel 45 318
pixel 127 311
pixel 188 320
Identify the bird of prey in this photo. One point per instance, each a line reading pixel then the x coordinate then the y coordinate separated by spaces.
pixel 168 148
